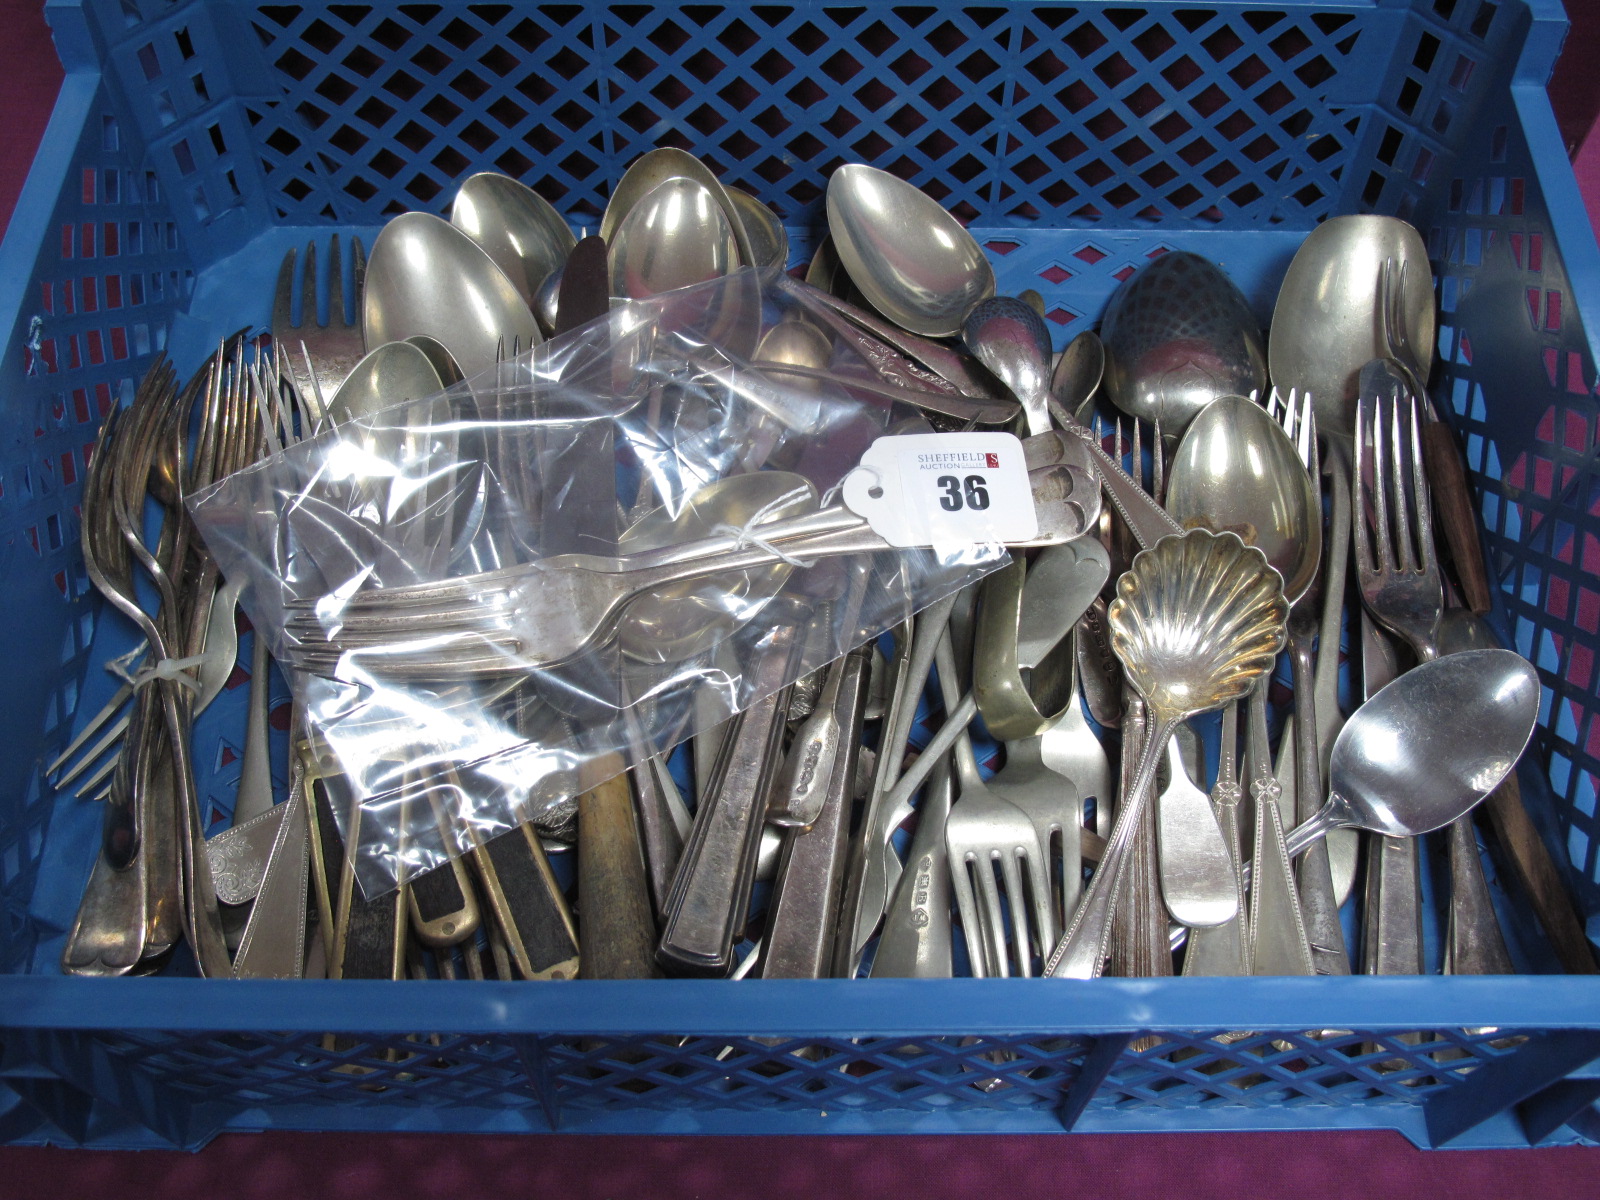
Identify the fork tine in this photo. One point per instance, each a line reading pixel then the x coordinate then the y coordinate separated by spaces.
pixel 338 314
pixel 271 418
pixel 1358 471
pixel 1021 942
pixel 1138 455
pixel 1158 465
pixel 1383 555
pixel 1405 555
pixel 310 312
pixel 283 297
pixel 1427 560
pixel 314 394
pixel 990 913
pixel 971 927
pixel 1305 432
pixel 358 274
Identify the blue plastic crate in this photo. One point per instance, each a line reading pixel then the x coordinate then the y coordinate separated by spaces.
pixel 194 141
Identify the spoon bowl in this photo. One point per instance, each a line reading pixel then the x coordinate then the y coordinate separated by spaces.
pixel 385 376
pixel 1430 745
pixel 1328 321
pixel 912 260
pixel 649 172
pixel 427 277
pixel 769 241
pixel 1178 335
pixel 516 227
pixel 1237 470
pixel 1198 619
pixel 1010 338
pixel 675 236
pixel 1075 382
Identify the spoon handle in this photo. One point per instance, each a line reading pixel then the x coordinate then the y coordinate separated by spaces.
pixel 916 930
pixel 1299 839
pixel 1317 902
pixel 1082 949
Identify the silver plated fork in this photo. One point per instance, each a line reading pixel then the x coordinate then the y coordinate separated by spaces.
pixel 1318 903
pixel 1398 572
pixel 318 357
pixel 984 833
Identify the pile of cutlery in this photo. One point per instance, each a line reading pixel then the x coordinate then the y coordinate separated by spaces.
pixel 1017 780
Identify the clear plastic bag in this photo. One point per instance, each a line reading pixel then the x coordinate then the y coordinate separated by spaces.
pixel 403 563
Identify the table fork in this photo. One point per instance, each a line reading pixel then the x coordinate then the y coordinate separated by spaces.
pixel 319 356
pixel 1140 942
pixel 1398 573
pixel 1318 904
pixel 982 833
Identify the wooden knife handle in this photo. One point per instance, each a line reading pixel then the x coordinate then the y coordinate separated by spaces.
pixel 1540 880
pixel 615 923
pixel 1453 509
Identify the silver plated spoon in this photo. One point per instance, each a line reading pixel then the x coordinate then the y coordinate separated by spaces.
pixel 427 277
pixel 516 227
pixel 915 262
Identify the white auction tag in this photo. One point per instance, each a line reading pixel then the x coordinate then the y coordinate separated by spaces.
pixel 944 490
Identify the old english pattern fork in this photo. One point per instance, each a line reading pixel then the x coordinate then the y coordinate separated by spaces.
pixel 1319 907
pixel 316 357
pixel 982 833
pixel 1402 588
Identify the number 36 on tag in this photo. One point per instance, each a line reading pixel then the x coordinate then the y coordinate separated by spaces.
pixel 944 489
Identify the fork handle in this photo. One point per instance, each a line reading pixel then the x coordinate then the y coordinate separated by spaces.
pixel 1452 508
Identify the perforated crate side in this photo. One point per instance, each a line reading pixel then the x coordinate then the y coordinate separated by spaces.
pixel 98 273
pixel 1014 115
pixel 1517 267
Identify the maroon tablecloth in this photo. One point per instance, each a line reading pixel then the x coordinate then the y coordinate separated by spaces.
pixel 291 1166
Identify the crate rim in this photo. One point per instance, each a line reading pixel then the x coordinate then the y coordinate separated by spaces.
pixel 803 1008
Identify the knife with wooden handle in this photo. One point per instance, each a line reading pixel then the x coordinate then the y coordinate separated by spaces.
pixel 618 930
pixel 1453 509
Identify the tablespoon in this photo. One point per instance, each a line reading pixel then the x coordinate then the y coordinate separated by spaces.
pixel 426 276
pixel 769 241
pixel 516 227
pixel 1075 381
pixel 1461 629
pixel 676 235
pixel 1236 469
pixel 1178 335
pixel 1010 343
pixel 1327 323
pixel 659 166
pixel 913 261
pixel 1011 340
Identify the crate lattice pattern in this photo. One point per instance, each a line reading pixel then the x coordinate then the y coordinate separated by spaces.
pixel 382 109
pixel 927 1074
pixel 1534 501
